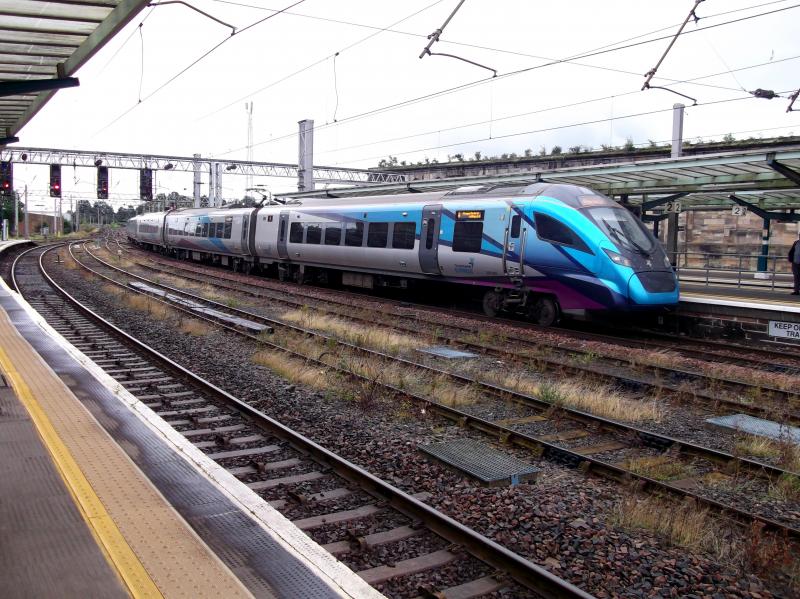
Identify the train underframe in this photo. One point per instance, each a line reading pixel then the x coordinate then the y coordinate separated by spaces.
pixel 540 308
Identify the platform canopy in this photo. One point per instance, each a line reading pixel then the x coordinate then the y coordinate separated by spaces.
pixel 770 177
pixel 43 43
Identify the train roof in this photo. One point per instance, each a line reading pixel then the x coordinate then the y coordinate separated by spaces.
pixel 569 194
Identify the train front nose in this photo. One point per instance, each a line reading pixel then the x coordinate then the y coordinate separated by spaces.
pixel 653 288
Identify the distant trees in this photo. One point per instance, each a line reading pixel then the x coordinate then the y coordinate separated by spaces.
pixel 629 146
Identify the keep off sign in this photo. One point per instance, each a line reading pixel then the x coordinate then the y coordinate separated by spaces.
pixel 778 328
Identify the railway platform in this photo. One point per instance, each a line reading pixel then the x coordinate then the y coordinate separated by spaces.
pixel 100 498
pixel 743 312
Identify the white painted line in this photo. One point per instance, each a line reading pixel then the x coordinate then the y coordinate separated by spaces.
pixel 739 303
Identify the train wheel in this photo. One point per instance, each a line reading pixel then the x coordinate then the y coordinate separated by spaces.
pixel 544 312
pixel 492 303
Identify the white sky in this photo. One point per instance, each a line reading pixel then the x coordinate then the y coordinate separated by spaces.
pixel 203 109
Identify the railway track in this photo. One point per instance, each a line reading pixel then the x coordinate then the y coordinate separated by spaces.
pixel 783 361
pixel 747 397
pixel 273 459
pixel 599 435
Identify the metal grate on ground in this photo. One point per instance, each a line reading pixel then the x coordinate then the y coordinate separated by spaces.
pixel 482 462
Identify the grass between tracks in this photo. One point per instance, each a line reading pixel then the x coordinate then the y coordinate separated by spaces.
pixel 662 467
pixel 375 371
pixel 596 399
pixel 784 452
pixel 378 338
pixel 751 551
pixel 715 370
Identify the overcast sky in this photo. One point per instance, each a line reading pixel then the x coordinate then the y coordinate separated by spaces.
pixel 286 66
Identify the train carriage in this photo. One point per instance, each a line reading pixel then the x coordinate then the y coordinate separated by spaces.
pixel 217 234
pixel 544 249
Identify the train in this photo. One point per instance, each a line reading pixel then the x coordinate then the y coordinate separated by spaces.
pixel 546 250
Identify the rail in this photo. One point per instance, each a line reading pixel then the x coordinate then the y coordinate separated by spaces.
pixel 740 270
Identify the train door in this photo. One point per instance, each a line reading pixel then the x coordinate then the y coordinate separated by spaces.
pixel 514 242
pixel 429 239
pixel 283 232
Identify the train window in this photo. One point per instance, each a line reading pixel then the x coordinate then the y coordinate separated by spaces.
pixel 403 236
pixel 354 235
pixel 554 231
pixel 282 233
pixel 269 218
pixel 296 233
pixel 333 235
pixel 198 230
pixel 431 226
pixel 228 229
pixel 378 235
pixel 314 234
pixel 220 230
pixel 516 223
pixel 205 230
pixel 467 236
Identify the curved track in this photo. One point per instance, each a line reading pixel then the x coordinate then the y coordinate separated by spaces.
pixel 243 440
pixel 604 434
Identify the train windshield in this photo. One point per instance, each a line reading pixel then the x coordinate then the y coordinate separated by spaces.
pixel 623 228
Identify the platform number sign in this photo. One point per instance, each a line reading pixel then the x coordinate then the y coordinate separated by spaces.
pixel 738 210
pixel 673 207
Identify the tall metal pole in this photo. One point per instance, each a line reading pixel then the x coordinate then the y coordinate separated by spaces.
pixel 16 214
pixel 305 163
pixel 677 150
pixel 218 183
pixel 763 258
pixel 248 106
pixel 27 229
pixel 197 180
pixel 212 185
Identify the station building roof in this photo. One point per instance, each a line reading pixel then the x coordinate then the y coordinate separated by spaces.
pixel 769 178
pixel 42 45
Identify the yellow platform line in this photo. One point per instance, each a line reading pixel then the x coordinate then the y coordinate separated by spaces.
pixel 116 549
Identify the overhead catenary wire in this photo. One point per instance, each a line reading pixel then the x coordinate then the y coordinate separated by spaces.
pixel 792 99
pixel 547 129
pixel 527 113
pixel 123 44
pixel 651 73
pixel 195 62
pixel 488 48
pixel 434 37
pixel 141 70
pixel 320 61
pixel 482 81
pixel 692 81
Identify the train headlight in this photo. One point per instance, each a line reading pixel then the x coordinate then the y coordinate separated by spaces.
pixel 617 258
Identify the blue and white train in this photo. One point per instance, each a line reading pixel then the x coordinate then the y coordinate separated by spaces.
pixel 546 249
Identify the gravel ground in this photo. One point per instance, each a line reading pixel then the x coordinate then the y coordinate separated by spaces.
pixel 681 419
pixel 561 522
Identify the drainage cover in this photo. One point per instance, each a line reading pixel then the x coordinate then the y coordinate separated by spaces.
pixel 756 426
pixel 481 461
pixel 447 352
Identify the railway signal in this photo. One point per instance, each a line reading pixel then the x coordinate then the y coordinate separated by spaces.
pixel 102 182
pixel 55 180
pixel 146 184
pixel 6 178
